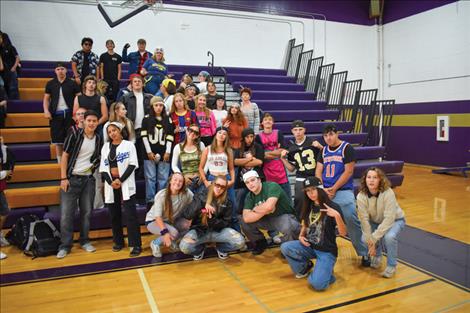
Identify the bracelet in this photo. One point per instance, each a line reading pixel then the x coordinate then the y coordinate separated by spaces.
pixel 164 231
pixel 64 178
pixel 203 210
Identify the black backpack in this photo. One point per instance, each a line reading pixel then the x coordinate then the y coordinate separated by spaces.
pixel 19 233
pixel 44 239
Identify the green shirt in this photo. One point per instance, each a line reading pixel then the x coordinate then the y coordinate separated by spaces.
pixel 270 190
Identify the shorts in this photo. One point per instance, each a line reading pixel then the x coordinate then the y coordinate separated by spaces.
pixel 59 125
pixel 4 209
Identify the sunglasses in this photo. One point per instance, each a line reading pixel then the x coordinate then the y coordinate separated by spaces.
pixel 195 132
pixel 87 44
pixel 220 186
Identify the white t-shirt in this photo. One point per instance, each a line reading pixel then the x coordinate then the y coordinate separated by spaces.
pixel 219 116
pixel 139 110
pixel 61 105
pixel 168 101
pixel 179 203
pixel 83 164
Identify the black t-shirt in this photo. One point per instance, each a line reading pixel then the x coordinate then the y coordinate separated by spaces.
pixel 211 101
pixel 86 65
pixel 110 65
pixel 69 90
pixel 162 133
pixel 258 153
pixel 8 55
pixel 304 158
pixel 191 105
pixel 349 154
pixel 90 103
pixel 321 232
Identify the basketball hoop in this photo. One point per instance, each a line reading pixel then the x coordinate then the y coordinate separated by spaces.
pixel 154 5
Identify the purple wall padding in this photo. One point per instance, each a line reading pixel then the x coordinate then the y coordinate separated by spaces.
pixel 395 10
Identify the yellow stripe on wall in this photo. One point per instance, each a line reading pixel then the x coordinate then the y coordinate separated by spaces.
pixel 430 120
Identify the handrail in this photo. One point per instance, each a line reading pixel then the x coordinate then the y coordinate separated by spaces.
pixel 225 80
pixel 211 63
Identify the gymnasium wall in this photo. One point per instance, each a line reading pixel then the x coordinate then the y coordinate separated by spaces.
pixel 426 58
pixel 52 31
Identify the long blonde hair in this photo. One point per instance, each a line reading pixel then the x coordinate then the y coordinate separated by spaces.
pixel 206 110
pixel 211 196
pixel 168 204
pixel 113 117
pixel 173 106
pixel 384 183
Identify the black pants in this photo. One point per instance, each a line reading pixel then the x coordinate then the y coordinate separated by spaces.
pixel 130 212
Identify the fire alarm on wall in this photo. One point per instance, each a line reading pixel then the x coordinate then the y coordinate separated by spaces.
pixel 442 128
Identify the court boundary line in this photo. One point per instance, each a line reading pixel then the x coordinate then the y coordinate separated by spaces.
pixel 244 287
pixel 373 296
pixel 453 306
pixel 148 291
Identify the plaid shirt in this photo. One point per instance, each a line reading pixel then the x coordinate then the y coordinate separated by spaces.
pixel 93 61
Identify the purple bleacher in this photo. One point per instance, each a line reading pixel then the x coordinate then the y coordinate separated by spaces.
pixel 268 105
pixel 31 151
pixel 25 106
pixel 279 95
pixel 260 78
pixel 369 152
pixel 268 86
pixel 17 213
pixel 389 167
pixel 99 219
pixel 306 115
pixel 313 127
pixel 43 64
pixel 358 138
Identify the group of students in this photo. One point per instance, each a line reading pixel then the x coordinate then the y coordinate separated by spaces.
pixel 211 175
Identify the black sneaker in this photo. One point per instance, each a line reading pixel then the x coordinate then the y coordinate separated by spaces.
pixel 305 271
pixel 260 246
pixel 136 251
pixel 365 262
pixel 149 205
pixel 117 248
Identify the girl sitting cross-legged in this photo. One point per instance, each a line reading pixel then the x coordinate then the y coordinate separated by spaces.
pixel 317 238
pixel 211 214
pixel 165 218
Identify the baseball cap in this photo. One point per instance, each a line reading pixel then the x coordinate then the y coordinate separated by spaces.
pixel 249 175
pixel 313 182
pixel 297 123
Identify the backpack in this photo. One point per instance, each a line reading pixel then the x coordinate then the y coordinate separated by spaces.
pixel 19 233
pixel 44 239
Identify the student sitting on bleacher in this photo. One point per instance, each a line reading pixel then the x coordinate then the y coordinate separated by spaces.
pixel 165 218
pixel 190 91
pixel 181 117
pixel 381 218
pixel 335 167
pixel 168 89
pixel 206 120
pixel 220 110
pixel 203 78
pixel 211 95
pixel 210 212
pixel 186 79
pixel 250 109
pixel 235 122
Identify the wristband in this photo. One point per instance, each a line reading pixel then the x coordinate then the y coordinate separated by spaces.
pixel 203 210
pixel 164 231
pixel 64 178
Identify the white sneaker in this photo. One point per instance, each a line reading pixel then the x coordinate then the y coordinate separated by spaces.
pixel 222 255
pixel 62 254
pixel 88 247
pixel 3 241
pixel 199 256
pixel 2 255
pixel 277 239
pixel 156 252
pixel 376 262
pixel 389 272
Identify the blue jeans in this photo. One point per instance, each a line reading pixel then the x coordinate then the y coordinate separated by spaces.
pixel 155 173
pixel 298 255
pixel 345 199
pixel 231 195
pixel 177 230
pixel 286 224
pixel 226 240
pixel 81 193
pixel 390 241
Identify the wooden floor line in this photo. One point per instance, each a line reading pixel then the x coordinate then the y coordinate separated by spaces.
pixel 373 296
pixel 454 306
pixel 148 292
pixel 384 284
pixel 244 287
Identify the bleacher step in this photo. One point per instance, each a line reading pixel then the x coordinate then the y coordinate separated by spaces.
pixel 36 172
pixel 24 135
pixel 36 196
pixel 26 120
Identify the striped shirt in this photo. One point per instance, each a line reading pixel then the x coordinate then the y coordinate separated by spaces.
pixel 73 144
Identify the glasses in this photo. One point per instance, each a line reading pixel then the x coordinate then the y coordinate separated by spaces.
pixel 80 113
pixel 220 186
pixel 87 44
pixel 195 132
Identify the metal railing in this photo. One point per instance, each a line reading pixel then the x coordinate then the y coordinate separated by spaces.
pixel 323 78
pixel 294 59
pixel 313 68
pixel 363 112
pixel 382 122
pixel 301 71
pixel 225 81
pixel 211 62
pixel 335 89
pixel 350 88
pixel 290 45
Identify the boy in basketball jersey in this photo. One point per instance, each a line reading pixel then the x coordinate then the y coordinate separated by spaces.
pixel 301 157
pixel 335 167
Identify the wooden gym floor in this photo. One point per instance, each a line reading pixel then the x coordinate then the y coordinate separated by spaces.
pixel 437 208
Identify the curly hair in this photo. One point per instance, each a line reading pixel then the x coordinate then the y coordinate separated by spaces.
pixel 384 183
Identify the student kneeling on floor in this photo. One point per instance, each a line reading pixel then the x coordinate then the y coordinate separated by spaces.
pixel 267 207
pixel 317 239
